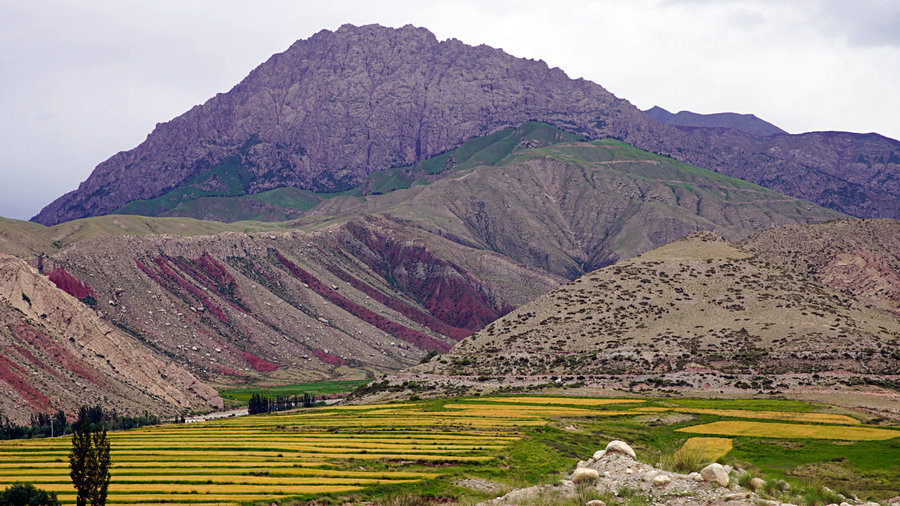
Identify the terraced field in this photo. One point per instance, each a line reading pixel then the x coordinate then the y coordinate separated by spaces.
pixel 382 449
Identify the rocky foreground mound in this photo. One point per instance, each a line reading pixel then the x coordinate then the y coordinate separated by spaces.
pixel 614 476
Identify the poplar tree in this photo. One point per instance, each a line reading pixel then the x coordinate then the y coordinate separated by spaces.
pixel 89 462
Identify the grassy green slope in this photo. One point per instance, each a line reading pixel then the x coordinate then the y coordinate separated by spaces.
pixel 227 179
pixel 571 207
pixel 219 194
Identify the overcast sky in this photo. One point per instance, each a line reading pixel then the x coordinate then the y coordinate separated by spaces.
pixel 83 79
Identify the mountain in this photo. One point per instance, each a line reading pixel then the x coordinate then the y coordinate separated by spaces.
pixel 413 261
pixel 573 206
pixel 697 302
pixel 747 123
pixel 364 293
pixel 339 106
pixel 542 197
pixel 58 354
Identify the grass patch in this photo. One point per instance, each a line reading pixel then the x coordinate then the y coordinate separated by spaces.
pixel 317 388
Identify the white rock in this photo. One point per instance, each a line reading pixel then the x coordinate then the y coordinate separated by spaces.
pixel 599 454
pixel 695 476
pixel 661 480
pixel 715 473
pixel 595 502
pixel 585 475
pixel 628 471
pixel 620 447
pixel 581 463
pixel 651 475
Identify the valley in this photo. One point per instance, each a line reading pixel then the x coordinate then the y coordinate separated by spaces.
pixel 484 272
pixel 369 281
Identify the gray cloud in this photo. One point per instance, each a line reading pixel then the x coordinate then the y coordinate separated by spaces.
pixel 861 22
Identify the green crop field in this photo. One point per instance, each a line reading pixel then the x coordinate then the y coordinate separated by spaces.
pixel 316 388
pixel 365 452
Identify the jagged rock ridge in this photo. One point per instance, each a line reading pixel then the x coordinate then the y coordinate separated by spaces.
pixel 340 105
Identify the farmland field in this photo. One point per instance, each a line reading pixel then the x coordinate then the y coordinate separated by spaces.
pixel 376 450
pixel 318 388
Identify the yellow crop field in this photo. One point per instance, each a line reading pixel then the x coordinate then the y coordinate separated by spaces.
pixel 775 415
pixel 271 456
pixel 760 415
pixel 570 401
pixel 711 448
pixel 355 449
pixel 792 430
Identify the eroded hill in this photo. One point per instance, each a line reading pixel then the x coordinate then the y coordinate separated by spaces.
pixel 58 354
pixel 700 302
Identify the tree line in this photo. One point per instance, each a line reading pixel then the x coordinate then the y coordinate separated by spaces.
pixel 261 404
pixel 47 425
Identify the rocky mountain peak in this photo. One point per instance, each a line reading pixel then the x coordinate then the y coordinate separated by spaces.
pixel 342 104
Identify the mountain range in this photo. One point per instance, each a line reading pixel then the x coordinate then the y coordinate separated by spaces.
pixel 372 195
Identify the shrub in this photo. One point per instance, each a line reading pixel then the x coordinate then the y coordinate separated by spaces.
pixel 26 494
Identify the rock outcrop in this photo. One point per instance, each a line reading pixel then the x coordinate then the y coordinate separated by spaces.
pixel 618 476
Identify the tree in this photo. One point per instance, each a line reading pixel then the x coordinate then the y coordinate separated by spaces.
pixel 89 461
pixel 26 494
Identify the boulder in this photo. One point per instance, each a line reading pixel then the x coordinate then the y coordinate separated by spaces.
pixel 661 480
pixel 757 484
pixel 715 473
pixel 620 447
pixel 695 476
pixel 599 454
pixel 595 502
pixel 585 475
